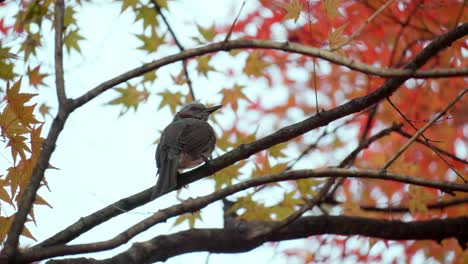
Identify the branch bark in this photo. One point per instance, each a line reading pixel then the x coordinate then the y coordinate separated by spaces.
pixel 49 249
pixel 234 239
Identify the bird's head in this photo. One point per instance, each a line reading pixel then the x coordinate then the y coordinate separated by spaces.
pixel 196 110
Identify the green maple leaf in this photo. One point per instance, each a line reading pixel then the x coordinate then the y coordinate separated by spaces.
pixel 203 66
pixel 71 39
pixel 151 43
pixel 148 15
pixel 129 97
pixel 171 99
pixel 128 3
pixel 30 45
pixel 68 17
pixel 207 34
pixel 162 4
pixel 255 65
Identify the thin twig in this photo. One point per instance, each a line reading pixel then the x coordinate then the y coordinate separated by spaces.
pixel 420 131
pixel 228 36
pixel 442 151
pixel 359 30
pixel 402 209
pixel 179 45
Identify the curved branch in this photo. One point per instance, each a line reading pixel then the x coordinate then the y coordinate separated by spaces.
pixel 402 209
pixel 286 47
pixel 245 151
pixel 234 239
pixel 199 203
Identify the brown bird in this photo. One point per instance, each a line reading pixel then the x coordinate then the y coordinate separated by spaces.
pixel 185 143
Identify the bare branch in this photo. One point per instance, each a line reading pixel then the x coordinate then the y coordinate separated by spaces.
pixel 179 45
pixel 438 44
pixel 55 249
pixel 401 209
pixel 441 151
pixel 234 239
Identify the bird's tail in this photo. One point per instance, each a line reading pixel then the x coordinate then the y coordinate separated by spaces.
pixel 167 180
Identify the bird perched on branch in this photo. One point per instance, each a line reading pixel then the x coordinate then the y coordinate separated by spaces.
pixel 185 143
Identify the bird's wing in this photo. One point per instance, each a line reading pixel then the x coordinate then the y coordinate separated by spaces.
pixel 167 158
pixel 198 139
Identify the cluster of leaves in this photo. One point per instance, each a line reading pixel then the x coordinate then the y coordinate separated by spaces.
pixel 21 133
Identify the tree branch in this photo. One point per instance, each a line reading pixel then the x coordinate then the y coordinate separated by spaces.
pixel 401 132
pixel 406 73
pixel 246 150
pixel 50 247
pixel 234 239
pixel 48 146
pixel 403 209
pixel 178 44
pixel 59 75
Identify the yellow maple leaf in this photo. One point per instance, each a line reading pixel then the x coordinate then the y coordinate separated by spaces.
pixel 293 10
pixel 255 65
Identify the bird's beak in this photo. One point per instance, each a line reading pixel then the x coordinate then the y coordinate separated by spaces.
pixel 212 109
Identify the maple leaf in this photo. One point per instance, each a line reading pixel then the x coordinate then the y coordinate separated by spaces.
pixel 252 210
pixel 277 150
pixel 189 217
pixel 29 46
pixel 304 186
pixel 293 10
pixel 336 38
pixel 331 7
pixel 162 4
pixel 69 16
pixel 263 166
pixel 207 34
pixel 151 43
pixel 226 176
pixel 129 97
pixel 203 66
pixel 148 15
pixel 180 78
pixel 255 65
pixel 18 146
pixel 36 78
pixel 171 99
pixel 44 110
pixel 232 96
pixel 71 39
pixel 149 77
pixel 7 73
pixel 128 3
pixel 17 101
pixel 287 206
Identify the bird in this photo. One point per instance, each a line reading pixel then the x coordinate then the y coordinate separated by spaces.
pixel 186 142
